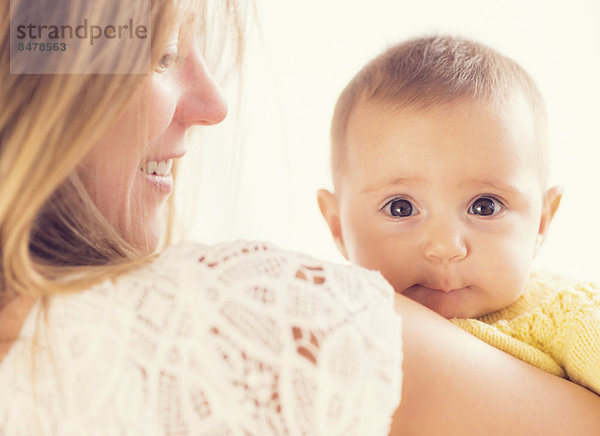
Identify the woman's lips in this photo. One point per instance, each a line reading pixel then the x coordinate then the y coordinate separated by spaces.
pixel 161 183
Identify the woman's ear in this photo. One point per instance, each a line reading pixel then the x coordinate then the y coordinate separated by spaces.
pixel 330 210
pixel 552 199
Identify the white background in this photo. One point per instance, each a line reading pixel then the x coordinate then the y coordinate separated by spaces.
pixel 303 53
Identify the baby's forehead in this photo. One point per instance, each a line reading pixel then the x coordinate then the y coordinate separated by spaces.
pixel 467 125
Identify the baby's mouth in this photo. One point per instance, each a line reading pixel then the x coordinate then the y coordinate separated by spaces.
pixel 442 289
pixel 158 168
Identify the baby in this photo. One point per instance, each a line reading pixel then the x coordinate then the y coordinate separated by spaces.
pixel 439 162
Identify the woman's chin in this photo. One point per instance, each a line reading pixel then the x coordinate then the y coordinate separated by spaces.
pixel 146 238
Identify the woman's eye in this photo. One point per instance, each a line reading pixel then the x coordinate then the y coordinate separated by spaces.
pixel 485 206
pixel 399 208
pixel 167 60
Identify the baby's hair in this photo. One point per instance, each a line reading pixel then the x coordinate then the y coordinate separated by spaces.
pixel 427 71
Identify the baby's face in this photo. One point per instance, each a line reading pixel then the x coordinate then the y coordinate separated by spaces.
pixel 446 202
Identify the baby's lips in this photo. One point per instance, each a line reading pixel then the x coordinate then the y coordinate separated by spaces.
pixel 442 288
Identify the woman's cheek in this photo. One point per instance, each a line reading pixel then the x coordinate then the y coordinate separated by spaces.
pixel 161 102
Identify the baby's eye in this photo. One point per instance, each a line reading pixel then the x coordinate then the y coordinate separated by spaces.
pixel 486 206
pixel 399 207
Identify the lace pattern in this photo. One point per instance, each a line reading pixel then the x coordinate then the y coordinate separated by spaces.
pixel 233 339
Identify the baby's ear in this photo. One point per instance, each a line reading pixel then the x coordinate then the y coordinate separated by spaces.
pixel 552 199
pixel 330 210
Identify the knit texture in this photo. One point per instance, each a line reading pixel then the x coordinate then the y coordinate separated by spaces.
pixel 554 325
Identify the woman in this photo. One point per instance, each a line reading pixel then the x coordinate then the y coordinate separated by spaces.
pixel 102 336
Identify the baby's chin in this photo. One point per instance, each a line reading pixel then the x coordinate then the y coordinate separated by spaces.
pixel 458 312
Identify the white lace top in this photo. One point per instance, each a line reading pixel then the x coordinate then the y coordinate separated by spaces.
pixel 233 339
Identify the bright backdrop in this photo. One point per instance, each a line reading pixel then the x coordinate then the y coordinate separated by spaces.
pixel 304 52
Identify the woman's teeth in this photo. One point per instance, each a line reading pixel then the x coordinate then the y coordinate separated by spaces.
pixel 161 168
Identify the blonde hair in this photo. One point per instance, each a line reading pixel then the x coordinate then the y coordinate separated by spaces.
pixel 53 239
pixel 427 71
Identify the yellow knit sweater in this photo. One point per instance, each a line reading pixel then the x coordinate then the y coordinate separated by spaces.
pixel 555 325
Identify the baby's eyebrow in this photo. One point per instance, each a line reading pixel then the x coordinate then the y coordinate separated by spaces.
pixel 497 185
pixel 399 181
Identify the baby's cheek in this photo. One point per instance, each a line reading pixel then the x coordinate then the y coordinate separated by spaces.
pixel 395 259
pixel 510 270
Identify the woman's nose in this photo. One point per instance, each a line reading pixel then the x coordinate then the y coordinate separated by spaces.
pixel 444 242
pixel 201 101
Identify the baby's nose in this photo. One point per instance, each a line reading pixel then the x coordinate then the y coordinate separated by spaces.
pixel 444 242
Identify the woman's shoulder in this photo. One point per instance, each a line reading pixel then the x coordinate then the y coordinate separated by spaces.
pixel 246 281
pixel 300 330
pixel 265 331
pixel 201 329
pixel 255 288
pixel 209 278
pixel 233 265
